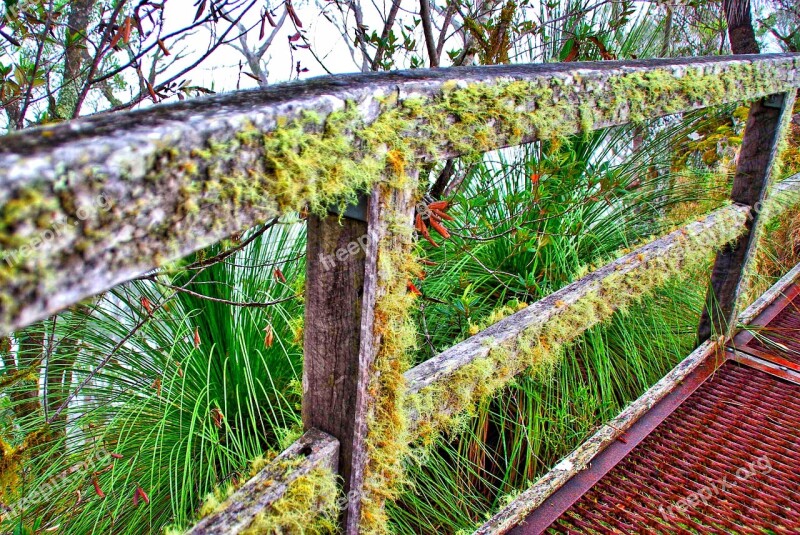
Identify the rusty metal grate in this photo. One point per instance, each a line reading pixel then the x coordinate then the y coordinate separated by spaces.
pixel 741 419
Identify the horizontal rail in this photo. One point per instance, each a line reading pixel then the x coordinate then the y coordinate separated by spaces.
pixel 787 190
pixel 505 332
pixel 176 178
pixel 767 298
pixel 580 458
pixel 314 450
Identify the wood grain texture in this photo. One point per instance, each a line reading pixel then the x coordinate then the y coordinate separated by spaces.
pixel 343 285
pixel 153 165
pixel 332 334
pixel 385 233
pixel 315 449
pixel 505 331
pixel 766 126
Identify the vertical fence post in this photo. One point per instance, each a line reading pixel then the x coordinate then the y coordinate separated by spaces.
pixel 342 286
pixel 766 124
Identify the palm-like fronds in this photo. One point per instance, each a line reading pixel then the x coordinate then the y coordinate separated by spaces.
pixel 183 402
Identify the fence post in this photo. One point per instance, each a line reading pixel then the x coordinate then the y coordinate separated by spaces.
pixel 766 125
pixel 342 286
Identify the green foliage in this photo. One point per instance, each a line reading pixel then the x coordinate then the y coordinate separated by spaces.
pixel 185 414
pixel 519 434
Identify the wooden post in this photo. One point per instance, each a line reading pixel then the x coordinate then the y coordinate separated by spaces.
pixel 766 122
pixel 343 284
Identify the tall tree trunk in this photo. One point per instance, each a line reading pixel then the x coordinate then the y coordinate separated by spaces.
pixel 740 27
pixel 75 58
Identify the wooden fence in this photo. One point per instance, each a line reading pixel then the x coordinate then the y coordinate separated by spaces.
pixel 184 176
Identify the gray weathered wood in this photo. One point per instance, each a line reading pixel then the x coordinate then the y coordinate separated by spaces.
pixel 340 340
pixel 332 334
pixel 317 450
pixel 767 298
pixel 577 461
pixel 164 169
pixel 788 187
pixel 766 125
pixel 538 314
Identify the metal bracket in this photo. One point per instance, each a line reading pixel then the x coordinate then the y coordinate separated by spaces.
pixel 356 211
pixel 775 100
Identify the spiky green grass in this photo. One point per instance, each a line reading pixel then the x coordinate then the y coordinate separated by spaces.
pixel 183 412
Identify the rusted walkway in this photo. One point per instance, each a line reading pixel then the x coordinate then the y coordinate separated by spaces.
pixel 719 454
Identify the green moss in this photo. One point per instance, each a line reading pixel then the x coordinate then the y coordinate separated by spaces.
pixel 12 460
pixel 10 468
pixel 388 438
pixel 309 507
pixel 441 406
pixel 313 162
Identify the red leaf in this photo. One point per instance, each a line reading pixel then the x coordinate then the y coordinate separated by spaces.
pixel 148 306
pixel 218 417
pixel 413 289
pixel 200 10
pixel 293 15
pixel 279 275
pixel 295 37
pixel 97 488
pixel 269 338
pixel 116 38
pixel 151 91
pixel 126 30
pixel 573 53
pixel 196 337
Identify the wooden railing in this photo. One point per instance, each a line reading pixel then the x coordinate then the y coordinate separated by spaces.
pixel 184 176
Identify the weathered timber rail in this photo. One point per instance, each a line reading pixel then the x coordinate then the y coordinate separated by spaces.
pixel 174 179
pixel 575 483
pixel 183 176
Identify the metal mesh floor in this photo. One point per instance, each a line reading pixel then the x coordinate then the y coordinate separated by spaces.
pixel 726 461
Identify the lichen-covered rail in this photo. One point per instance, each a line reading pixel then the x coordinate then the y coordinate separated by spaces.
pixel 177 178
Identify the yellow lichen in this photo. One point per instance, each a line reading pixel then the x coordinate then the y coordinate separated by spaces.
pixel 388 439
pixel 442 405
pixel 310 506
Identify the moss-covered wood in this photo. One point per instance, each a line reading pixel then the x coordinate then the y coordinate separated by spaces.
pixel 357 334
pixel 458 378
pixel 295 493
pixel 177 178
pixel 767 124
